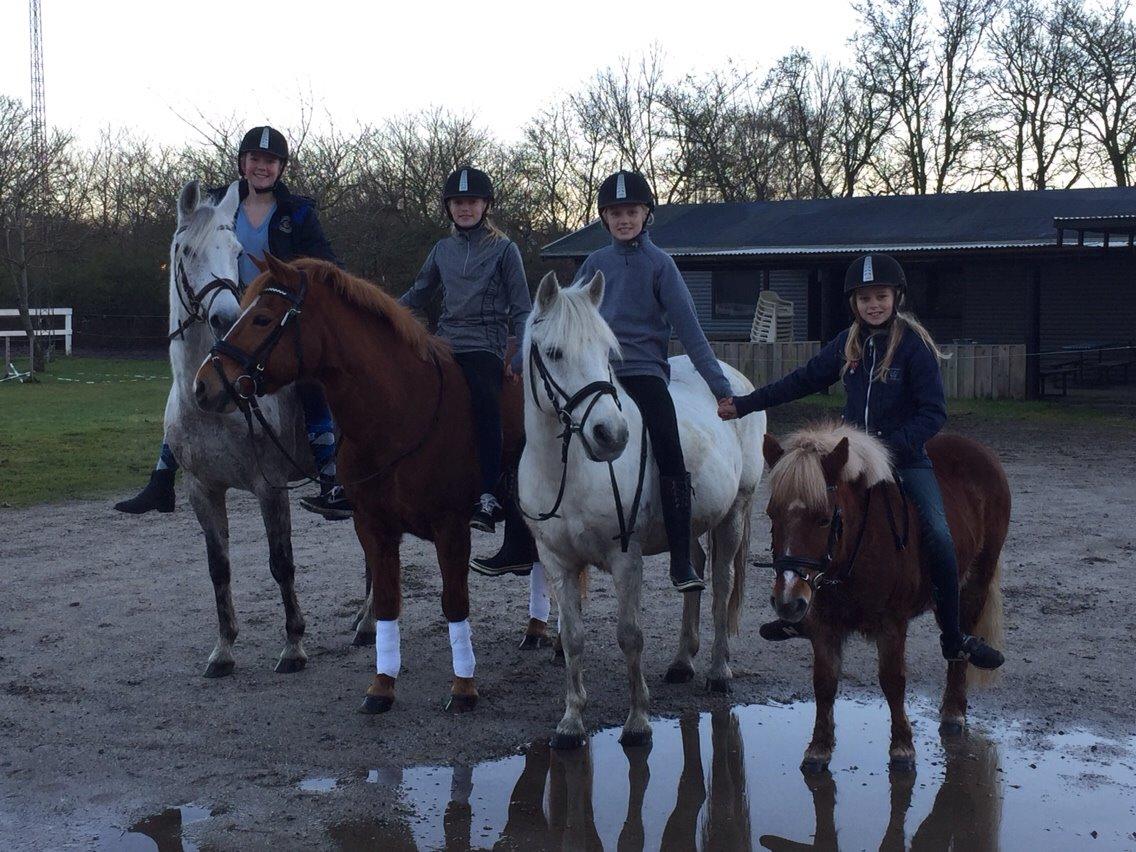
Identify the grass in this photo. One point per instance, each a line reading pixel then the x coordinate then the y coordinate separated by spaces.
pixel 90 427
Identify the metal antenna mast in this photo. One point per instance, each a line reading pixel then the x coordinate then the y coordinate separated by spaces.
pixel 39 122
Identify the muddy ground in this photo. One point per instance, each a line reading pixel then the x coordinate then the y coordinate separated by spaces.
pixel 106 622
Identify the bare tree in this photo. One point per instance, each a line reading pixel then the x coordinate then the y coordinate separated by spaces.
pixel 1104 83
pixel 1032 58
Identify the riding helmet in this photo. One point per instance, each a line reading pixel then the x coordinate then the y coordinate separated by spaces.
pixel 626 187
pixel 267 139
pixel 468 182
pixel 874 269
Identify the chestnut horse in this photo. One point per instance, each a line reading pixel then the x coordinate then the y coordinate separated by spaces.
pixel 407 457
pixel 846 556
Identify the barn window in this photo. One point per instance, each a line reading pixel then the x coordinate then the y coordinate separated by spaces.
pixel 734 293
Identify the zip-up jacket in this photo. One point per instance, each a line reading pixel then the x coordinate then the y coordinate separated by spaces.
pixel 294 230
pixel 484 291
pixel 905 411
pixel 644 297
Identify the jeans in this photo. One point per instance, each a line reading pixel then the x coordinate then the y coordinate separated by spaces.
pixel 922 489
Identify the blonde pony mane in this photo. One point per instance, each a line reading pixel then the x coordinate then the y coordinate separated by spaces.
pixel 368 297
pixel 798 474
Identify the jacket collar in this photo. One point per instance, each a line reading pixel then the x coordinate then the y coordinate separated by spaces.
pixel 632 246
pixel 472 235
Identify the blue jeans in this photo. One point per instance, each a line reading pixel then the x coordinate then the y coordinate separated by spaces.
pixel 318 423
pixel 922 489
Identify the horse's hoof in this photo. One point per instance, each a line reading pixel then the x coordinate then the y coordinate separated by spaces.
pixel 902 764
pixel 461 704
pixel 814 765
pixel 290 665
pixel 535 642
pixel 679 673
pixel 220 669
pixel 951 727
pixel 567 742
pixel 719 684
pixel 364 640
pixel 635 739
pixel 373 704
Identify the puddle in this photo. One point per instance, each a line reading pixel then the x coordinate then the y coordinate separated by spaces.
pixel 318 785
pixel 161 832
pixel 728 779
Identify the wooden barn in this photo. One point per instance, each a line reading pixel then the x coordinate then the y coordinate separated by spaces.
pixel 1052 271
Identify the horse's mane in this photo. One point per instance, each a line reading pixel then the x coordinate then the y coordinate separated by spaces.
pixel 798 475
pixel 573 317
pixel 368 297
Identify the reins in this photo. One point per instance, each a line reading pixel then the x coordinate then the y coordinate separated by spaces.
pixel 593 391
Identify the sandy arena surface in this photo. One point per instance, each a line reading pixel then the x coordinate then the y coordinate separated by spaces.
pixel 106 622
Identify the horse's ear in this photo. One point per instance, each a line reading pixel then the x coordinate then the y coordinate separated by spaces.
pixel 595 288
pixel 258 263
pixel 771 449
pixel 833 464
pixel 228 206
pixel 188 199
pixel 547 292
pixel 279 269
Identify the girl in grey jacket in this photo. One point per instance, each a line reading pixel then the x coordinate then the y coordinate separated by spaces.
pixel 484 292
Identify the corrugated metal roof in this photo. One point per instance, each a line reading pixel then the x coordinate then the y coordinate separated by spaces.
pixel 900 223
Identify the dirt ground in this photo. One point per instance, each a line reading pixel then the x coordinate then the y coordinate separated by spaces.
pixel 106 622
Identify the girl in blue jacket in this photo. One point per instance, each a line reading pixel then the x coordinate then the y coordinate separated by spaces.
pixel 269 218
pixel 484 292
pixel 890 368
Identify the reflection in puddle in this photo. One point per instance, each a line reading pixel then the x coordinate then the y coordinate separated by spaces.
pixel 162 832
pixel 728 779
pixel 318 785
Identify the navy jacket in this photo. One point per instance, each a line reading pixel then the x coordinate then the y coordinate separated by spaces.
pixel 905 411
pixel 294 230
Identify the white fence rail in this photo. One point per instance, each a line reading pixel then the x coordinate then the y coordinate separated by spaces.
pixel 39 316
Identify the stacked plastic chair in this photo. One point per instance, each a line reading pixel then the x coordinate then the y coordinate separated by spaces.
pixel 773 319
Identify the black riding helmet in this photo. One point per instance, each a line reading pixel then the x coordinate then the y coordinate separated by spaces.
pixel 873 269
pixel 266 139
pixel 626 187
pixel 468 182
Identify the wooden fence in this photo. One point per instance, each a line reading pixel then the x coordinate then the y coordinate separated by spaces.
pixel 970 372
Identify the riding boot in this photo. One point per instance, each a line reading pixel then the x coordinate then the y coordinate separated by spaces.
pixel 518 550
pixel 158 494
pixel 675 494
pixel 956 645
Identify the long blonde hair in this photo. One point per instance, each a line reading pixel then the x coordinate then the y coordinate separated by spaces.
pixel 854 349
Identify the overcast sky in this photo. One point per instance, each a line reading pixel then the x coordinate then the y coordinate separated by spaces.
pixel 134 64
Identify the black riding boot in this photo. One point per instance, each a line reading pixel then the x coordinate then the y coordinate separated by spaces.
pixel 675 493
pixel 518 550
pixel 158 494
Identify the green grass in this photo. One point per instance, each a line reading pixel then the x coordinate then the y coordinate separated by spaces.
pixel 91 426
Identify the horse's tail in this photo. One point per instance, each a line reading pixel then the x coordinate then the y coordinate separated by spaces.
pixel 990 628
pixel 737 593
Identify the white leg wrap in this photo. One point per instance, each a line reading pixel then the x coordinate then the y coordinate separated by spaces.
pixel 461 647
pixel 539 602
pixel 388 657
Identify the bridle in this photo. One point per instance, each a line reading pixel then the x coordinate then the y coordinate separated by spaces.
pixel 250 384
pixel 193 302
pixel 563 405
pixel 819 573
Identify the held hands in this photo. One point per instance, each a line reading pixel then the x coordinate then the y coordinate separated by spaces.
pixel 726 408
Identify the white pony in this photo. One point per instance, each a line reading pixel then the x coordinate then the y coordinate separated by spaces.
pixel 214 450
pixel 574 345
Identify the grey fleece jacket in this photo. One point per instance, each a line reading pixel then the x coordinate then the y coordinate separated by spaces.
pixel 484 290
pixel 644 297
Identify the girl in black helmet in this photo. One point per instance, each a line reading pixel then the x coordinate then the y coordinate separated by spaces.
pixel 645 298
pixel 269 218
pixel 484 292
pixel 890 367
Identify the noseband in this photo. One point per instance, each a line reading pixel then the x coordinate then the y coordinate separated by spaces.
pixel 593 391
pixel 193 302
